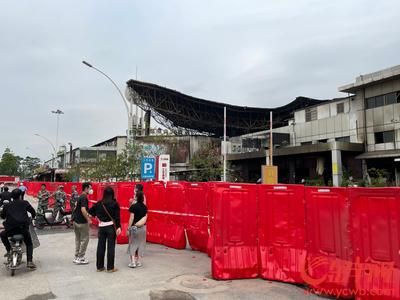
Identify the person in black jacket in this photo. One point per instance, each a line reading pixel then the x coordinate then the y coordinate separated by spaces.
pixel 5 196
pixel 108 212
pixel 17 222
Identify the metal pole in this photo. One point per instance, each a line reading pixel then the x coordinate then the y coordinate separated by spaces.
pixel 119 91
pixel 271 163
pixel 58 124
pixel 224 151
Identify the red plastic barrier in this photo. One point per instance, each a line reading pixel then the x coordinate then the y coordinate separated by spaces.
pixel 174 236
pixel 376 242
pixel 197 198
pixel 123 238
pixel 197 221
pixel 175 203
pixel 282 232
pixel 235 246
pixel 197 233
pixel 155 196
pixel 125 198
pixel 156 225
pixel 329 258
pixel 125 193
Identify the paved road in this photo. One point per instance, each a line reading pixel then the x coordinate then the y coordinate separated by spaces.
pixel 166 274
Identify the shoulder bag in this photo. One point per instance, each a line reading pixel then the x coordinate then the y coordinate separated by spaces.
pixel 108 214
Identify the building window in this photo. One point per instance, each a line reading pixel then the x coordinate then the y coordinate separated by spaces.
pixel 306 143
pixel 370 102
pixel 387 99
pixel 384 137
pixel 311 114
pixel 345 139
pixel 390 99
pixel 379 101
pixel 340 108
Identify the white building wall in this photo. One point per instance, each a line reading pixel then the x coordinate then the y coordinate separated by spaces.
pixel 383 118
pixel 329 124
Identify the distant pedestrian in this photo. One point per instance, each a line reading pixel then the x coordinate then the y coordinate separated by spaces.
pixel 137 230
pixel 108 213
pixel 5 196
pixel 81 221
pixel 74 198
pixel 1 187
pixel 43 197
pixel 23 189
pixel 60 197
pixel 138 188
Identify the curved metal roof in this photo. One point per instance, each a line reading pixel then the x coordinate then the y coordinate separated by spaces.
pixel 186 114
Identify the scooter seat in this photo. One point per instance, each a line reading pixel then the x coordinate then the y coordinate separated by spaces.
pixel 17 238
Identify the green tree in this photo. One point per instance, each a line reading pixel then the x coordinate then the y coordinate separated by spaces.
pixel 128 162
pixel 207 164
pixel 28 166
pixel 379 177
pixel 10 163
pixel 123 167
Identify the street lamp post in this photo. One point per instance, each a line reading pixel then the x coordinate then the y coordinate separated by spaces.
pixel 129 109
pixel 51 144
pixel 58 113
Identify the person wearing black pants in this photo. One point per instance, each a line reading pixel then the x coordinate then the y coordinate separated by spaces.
pixel 108 212
pixel 107 236
pixel 17 222
pixel 27 240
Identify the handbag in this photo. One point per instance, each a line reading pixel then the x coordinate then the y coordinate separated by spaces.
pixel 133 229
pixel 108 214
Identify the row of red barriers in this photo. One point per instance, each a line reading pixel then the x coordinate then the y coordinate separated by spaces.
pixel 342 242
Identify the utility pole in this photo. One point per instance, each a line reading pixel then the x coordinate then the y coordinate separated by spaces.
pixel 58 113
pixel 224 150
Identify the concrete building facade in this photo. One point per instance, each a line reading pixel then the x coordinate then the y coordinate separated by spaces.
pixel 335 139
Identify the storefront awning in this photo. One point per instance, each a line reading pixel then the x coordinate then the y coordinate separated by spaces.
pixel 379 154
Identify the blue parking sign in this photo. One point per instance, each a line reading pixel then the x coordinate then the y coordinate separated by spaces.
pixel 148 168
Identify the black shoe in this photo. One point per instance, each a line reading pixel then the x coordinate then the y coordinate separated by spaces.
pixel 31 265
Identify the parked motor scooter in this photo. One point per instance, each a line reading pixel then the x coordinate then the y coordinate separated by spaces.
pixel 14 259
pixel 50 218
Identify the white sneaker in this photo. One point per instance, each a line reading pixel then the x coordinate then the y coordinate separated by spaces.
pixel 83 261
pixel 138 264
pixel 132 265
pixel 76 260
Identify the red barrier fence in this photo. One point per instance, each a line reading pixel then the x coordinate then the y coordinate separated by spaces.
pixel 375 235
pixel 342 242
pixel 329 248
pixel 234 253
pixel 282 232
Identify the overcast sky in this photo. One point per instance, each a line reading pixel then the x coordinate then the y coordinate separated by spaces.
pixel 253 53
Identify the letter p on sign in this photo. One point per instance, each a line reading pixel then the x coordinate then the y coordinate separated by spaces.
pixel 148 168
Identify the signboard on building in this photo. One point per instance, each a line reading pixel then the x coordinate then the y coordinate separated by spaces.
pixel 163 167
pixel 148 168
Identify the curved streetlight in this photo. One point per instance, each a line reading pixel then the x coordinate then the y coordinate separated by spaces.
pixel 51 144
pixel 47 140
pixel 128 110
